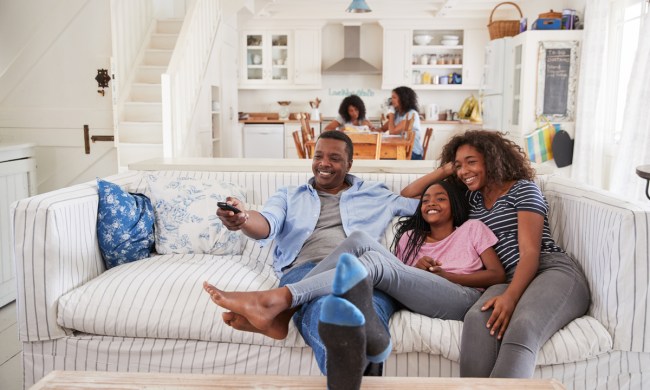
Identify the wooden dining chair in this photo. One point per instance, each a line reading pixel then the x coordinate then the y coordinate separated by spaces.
pixel 307 132
pixel 410 137
pixel 300 147
pixel 425 142
pixel 367 146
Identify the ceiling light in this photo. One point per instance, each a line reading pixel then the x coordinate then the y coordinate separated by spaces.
pixel 358 6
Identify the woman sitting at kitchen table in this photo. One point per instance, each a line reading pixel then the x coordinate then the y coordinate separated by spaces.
pixel 404 102
pixel 352 116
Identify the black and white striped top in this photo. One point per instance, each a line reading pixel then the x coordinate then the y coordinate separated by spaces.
pixel 524 195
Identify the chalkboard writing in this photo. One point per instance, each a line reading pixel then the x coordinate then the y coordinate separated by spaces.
pixel 556 83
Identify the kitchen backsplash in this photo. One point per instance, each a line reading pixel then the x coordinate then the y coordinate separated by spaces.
pixel 335 88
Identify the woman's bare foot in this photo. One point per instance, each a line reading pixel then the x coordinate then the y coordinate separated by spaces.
pixel 260 308
pixel 278 329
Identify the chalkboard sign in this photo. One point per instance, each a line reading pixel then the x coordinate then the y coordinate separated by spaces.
pixel 557 80
pixel 556 85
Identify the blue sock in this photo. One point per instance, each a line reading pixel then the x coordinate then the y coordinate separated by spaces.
pixel 341 327
pixel 352 283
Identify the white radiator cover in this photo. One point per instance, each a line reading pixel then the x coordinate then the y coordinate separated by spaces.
pixel 17 181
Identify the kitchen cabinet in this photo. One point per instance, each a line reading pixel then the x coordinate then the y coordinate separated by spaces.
pixel 289 145
pixel 522 77
pixel 289 59
pixel 428 65
pixel 397 57
pixel 442 133
pixel 307 63
pixel 18 181
pixel 266 58
pixel 224 140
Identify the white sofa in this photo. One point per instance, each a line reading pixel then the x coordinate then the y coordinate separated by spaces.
pixel 151 315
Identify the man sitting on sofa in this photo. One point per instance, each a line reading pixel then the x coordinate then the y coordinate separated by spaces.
pixel 307 222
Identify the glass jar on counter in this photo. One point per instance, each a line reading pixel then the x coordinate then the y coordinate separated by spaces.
pixel 417 78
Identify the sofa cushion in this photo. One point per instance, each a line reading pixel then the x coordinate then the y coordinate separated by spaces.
pixel 124 224
pixel 582 338
pixel 186 220
pixel 162 297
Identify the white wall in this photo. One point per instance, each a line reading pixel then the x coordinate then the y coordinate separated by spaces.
pixel 47 86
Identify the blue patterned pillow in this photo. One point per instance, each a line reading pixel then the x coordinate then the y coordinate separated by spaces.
pixel 186 220
pixel 124 225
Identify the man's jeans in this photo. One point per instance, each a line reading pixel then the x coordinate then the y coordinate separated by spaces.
pixel 306 318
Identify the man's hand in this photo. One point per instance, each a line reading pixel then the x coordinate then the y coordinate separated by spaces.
pixel 231 220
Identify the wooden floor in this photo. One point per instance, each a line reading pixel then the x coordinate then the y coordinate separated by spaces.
pixel 11 372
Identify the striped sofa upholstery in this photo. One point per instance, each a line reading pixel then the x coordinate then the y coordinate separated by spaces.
pixel 151 315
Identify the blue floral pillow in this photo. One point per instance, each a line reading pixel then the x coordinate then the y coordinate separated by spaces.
pixel 124 225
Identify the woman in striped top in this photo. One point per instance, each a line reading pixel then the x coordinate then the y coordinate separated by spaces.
pixel 545 288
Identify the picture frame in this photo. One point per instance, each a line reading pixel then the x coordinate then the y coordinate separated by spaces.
pixel 557 80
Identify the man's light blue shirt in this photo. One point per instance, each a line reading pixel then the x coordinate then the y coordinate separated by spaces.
pixel 365 206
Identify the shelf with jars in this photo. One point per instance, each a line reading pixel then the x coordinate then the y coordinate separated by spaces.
pixel 437 58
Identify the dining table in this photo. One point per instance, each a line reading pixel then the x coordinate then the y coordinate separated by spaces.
pixel 393 147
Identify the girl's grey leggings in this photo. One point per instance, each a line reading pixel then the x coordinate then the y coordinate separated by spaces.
pixel 558 294
pixel 420 291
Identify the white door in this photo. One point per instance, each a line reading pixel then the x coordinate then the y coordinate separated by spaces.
pixel 47 87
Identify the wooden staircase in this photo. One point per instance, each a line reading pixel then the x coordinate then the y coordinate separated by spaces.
pixel 140 124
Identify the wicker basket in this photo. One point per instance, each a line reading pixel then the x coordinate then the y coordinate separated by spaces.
pixel 504 28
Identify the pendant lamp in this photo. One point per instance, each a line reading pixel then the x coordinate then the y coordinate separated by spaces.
pixel 358 6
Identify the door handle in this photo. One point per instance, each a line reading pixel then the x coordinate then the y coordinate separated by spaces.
pixel 88 138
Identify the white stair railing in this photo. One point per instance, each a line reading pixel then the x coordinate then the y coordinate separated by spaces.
pixel 181 84
pixel 131 21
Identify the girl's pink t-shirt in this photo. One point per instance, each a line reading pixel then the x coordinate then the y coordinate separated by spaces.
pixel 460 251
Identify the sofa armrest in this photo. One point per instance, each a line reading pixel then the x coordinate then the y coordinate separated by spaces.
pixel 608 236
pixel 55 251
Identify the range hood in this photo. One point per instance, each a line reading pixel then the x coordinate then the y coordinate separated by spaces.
pixel 351 62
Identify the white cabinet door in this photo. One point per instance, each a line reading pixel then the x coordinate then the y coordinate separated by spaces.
pixel 397 58
pixel 289 144
pixel 307 57
pixel 473 57
pixel 266 58
pixel 17 180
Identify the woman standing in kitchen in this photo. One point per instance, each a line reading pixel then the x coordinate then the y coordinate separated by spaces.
pixel 352 116
pixel 404 102
pixel 545 288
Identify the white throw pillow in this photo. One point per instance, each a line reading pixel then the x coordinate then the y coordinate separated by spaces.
pixel 185 215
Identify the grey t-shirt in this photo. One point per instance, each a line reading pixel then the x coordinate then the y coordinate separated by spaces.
pixel 328 233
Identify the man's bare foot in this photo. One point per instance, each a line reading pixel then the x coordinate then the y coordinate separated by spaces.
pixel 260 308
pixel 278 330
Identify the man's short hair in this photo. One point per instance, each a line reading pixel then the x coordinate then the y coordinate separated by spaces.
pixel 341 136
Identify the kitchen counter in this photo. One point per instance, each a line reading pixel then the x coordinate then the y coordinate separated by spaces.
pixel 273 121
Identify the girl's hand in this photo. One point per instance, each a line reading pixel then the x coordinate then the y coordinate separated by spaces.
pixel 428 264
pixel 503 307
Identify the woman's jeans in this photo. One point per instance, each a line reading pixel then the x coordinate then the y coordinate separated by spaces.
pixel 558 294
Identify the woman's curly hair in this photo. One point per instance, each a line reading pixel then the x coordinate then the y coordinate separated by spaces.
pixel 504 159
pixel 408 99
pixel 352 100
